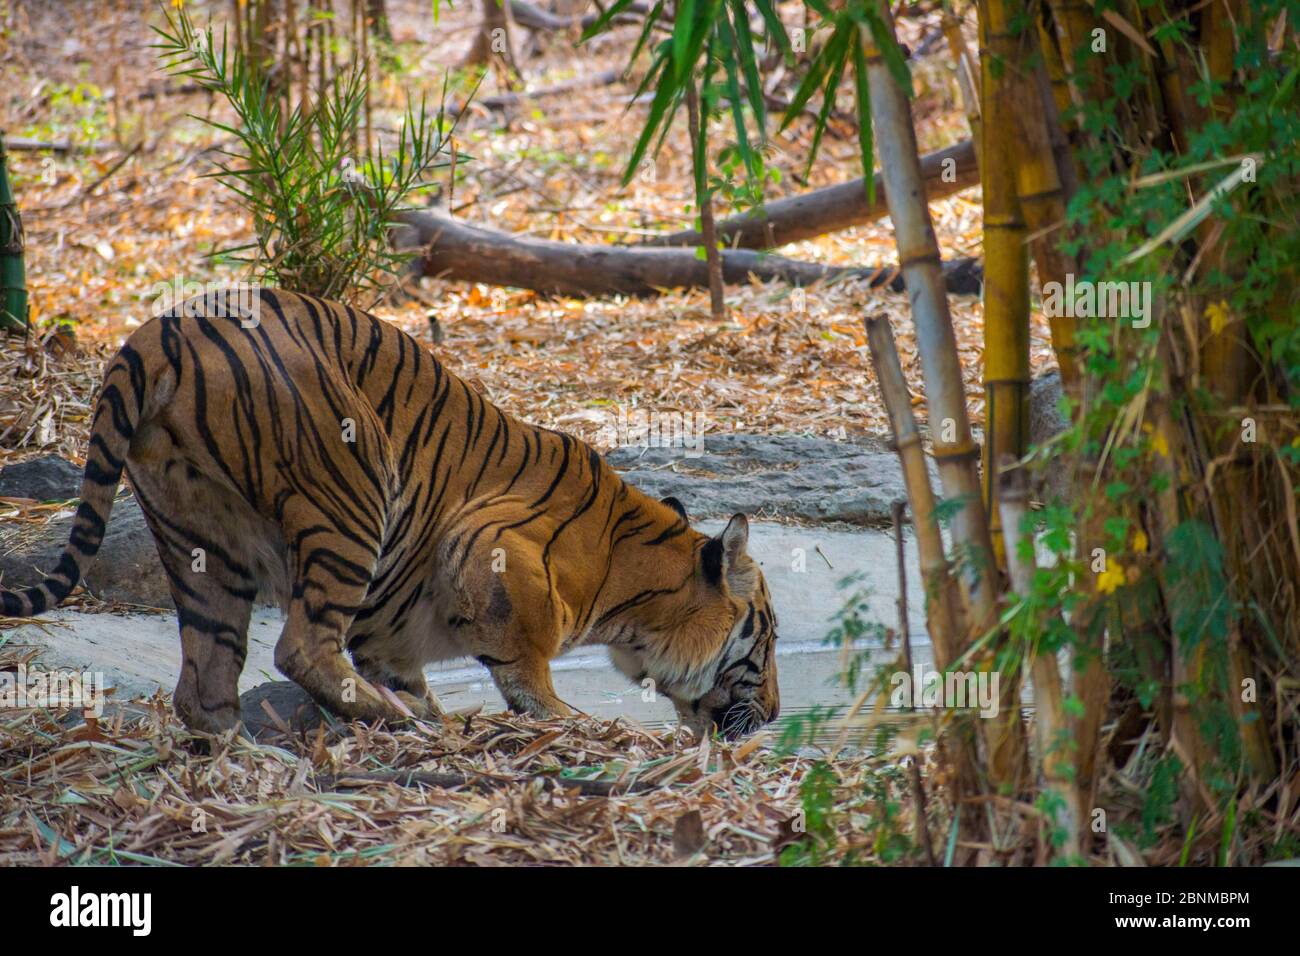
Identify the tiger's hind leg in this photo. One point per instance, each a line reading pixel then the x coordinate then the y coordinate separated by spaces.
pixel 214 645
pixel 212 585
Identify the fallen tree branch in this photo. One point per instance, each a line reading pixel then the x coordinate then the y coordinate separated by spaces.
pixel 816 213
pixel 535 18
pixel 458 250
pixel 14 143
pixel 501 101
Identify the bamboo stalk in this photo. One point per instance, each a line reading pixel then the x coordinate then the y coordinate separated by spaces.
pixel 967 77
pixel 308 44
pixel 1053 65
pixel 1050 719
pixel 1180 471
pixel 1075 22
pixel 1089 678
pixel 1230 369
pixel 944 613
pixel 325 55
pixel 943 602
pixel 918 256
pixel 896 511
pixel 363 31
pixel 1040 153
pixel 954 451
pixel 13 283
pixel 1006 260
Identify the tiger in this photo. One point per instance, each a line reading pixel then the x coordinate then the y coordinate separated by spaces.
pixel 314 455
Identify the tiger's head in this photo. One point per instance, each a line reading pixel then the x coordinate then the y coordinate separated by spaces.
pixel 709 643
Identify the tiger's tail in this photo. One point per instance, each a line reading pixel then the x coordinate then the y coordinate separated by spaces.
pixel 117 414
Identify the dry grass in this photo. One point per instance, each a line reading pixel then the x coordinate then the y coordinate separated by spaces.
pixel 496 790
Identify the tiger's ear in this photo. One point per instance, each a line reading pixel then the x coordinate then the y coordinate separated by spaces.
pixel 677 506
pixel 721 553
pixel 735 536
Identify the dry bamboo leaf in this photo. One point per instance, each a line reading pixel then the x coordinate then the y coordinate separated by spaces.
pixel 688 835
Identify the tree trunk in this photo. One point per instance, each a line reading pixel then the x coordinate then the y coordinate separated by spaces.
pixel 494 42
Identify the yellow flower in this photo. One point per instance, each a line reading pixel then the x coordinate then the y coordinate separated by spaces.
pixel 1140 541
pixel 1160 444
pixel 1219 316
pixel 1111 578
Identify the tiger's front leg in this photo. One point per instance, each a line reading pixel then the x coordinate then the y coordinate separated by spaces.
pixel 526 685
pixel 514 625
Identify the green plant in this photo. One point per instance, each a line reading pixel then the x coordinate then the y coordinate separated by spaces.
pixel 816 823
pixel 321 218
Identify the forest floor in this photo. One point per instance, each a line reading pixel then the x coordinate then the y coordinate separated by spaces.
pixel 102 233
pixel 130 208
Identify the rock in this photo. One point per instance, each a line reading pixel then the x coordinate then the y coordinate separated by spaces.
pixel 1050 479
pixel 1045 418
pixel 788 476
pixel 45 479
pixel 126 569
pixel 291 703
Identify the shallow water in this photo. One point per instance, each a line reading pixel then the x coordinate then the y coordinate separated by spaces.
pixel 804 568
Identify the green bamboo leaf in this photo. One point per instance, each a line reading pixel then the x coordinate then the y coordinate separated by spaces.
pixel 775 28
pixel 743 42
pixel 613 10
pixel 684 28
pixel 657 66
pixel 729 62
pixel 813 80
pixel 838 50
pixel 651 19
pixel 700 32
pixel 666 96
pixel 865 134
pixel 700 149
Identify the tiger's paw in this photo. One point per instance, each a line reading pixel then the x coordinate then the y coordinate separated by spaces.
pixel 424 708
